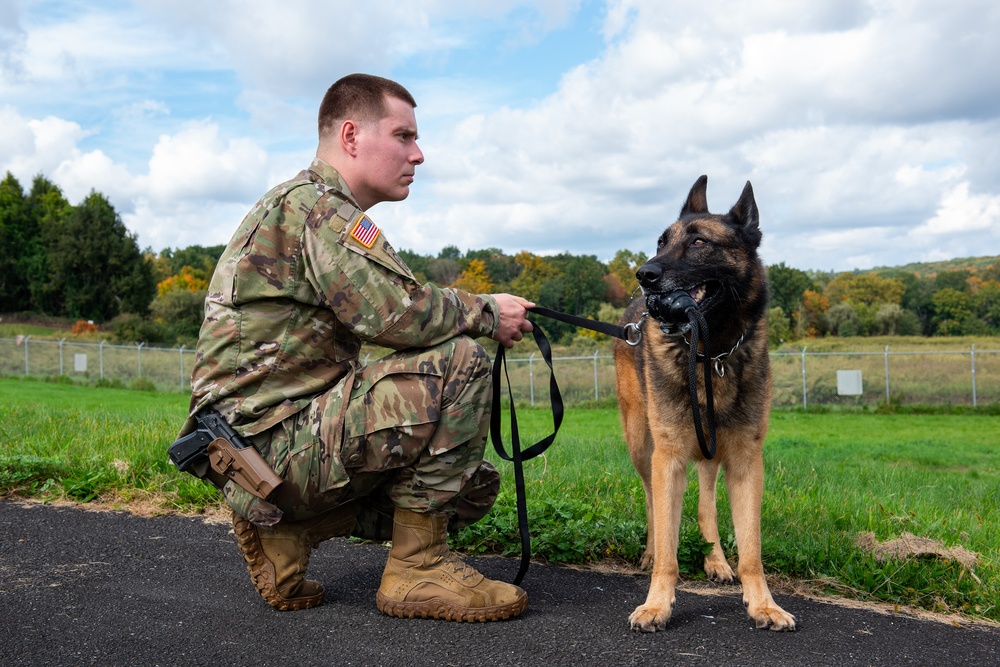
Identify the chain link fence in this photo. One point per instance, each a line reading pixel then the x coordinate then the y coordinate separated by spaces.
pixel 960 377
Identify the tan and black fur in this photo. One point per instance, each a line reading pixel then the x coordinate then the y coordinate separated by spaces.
pixel 714 258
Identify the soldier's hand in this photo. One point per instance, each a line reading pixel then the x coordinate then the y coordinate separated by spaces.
pixel 513 319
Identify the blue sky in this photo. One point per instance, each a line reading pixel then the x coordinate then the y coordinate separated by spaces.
pixel 870 129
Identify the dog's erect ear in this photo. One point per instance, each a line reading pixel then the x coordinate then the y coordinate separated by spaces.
pixel 747 217
pixel 697 201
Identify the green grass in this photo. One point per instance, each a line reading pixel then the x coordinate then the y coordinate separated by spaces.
pixel 830 476
pixel 13 330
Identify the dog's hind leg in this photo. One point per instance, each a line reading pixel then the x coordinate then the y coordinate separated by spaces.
pixel 716 566
pixel 745 482
pixel 669 479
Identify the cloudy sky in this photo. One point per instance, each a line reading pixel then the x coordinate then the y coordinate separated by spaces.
pixel 870 129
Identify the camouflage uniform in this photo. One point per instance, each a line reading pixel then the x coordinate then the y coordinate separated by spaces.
pixel 304 281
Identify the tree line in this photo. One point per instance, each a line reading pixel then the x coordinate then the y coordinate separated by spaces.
pixel 80 262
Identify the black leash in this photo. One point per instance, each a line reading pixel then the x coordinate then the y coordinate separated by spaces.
pixel 631 334
pixel 517 456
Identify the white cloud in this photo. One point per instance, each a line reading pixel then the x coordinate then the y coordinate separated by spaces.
pixel 196 163
pixel 866 126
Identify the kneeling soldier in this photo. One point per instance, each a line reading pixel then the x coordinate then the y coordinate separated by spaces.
pixel 389 450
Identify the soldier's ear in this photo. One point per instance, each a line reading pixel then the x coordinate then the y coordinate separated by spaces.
pixel 348 137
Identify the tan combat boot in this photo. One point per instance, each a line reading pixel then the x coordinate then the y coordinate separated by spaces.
pixel 423 578
pixel 277 556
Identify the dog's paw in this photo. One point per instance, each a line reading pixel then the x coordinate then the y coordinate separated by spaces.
pixel 719 570
pixel 649 618
pixel 773 618
pixel 647 560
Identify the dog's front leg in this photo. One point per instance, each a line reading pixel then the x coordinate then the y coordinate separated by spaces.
pixel 716 566
pixel 668 472
pixel 745 482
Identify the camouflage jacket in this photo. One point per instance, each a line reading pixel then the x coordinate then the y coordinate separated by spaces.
pixel 305 279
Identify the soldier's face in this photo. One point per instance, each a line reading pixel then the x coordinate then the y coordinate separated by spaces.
pixel 389 154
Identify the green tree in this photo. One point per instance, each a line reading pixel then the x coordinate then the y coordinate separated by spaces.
pixel 991 272
pixel 787 287
pixel 868 288
pixel 889 318
pixel 624 265
pixel 578 289
pixel 917 296
pixel 15 293
pixel 500 268
pixel 843 320
pixel 951 308
pixel 986 305
pixel 179 314
pixel 49 209
pixel 535 272
pixel 198 257
pixel 96 264
pixel 778 330
pixel 956 279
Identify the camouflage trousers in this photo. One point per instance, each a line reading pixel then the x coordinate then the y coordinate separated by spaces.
pixel 412 434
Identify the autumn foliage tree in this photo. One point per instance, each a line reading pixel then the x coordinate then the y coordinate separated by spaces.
pixel 474 278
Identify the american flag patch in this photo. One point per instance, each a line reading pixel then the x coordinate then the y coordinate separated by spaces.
pixel 365 232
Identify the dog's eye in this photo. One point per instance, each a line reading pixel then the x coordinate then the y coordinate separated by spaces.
pixel 698 242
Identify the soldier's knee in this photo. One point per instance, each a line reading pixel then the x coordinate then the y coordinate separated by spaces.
pixel 470 354
pixel 469 366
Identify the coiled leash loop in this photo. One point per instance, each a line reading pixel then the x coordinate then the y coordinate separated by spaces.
pixel 517 457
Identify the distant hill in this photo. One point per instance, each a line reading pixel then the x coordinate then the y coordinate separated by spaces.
pixel 931 269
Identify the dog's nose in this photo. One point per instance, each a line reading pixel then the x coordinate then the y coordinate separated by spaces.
pixel 648 274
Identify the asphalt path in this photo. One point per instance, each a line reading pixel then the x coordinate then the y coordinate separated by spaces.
pixel 111 588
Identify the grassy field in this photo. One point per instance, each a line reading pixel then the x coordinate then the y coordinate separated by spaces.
pixel 831 478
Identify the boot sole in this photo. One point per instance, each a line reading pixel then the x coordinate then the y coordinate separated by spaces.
pixel 444 611
pixel 262 571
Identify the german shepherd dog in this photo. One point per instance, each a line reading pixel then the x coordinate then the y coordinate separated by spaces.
pixel 714 259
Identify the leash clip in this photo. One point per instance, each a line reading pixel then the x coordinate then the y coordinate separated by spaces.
pixel 635 328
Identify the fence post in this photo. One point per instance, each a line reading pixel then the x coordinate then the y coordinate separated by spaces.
pixel 596 396
pixel 531 377
pixel 181 355
pixel 974 376
pixel 887 375
pixel 804 403
pixel 27 366
pixel 138 347
pixel 61 341
pixel 100 356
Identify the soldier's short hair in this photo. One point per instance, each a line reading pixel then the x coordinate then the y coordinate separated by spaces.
pixel 359 97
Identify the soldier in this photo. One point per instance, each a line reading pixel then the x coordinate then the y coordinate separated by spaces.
pixel 392 449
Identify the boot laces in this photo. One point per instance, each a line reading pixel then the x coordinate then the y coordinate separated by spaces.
pixel 458 566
